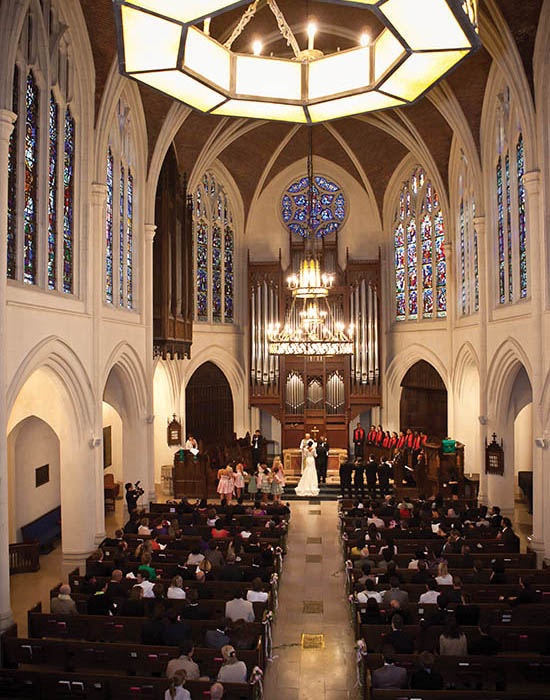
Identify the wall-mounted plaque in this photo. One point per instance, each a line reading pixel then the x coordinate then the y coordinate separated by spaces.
pixel 174 431
pixel 42 475
pixel 494 457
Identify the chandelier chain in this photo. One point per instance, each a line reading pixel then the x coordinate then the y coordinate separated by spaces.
pixel 285 30
pixel 245 19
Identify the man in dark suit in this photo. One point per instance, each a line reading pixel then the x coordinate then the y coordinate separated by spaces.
pixel 372 473
pixel 384 471
pixel 358 440
pixel 358 477
pixel 256 449
pixel 389 675
pixel 321 462
pixel 346 471
pixel 508 537
pixel 398 638
pixel 425 678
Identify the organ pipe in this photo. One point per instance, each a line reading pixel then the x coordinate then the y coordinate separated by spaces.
pixel 364 315
pixel 376 359
pixel 364 376
pixel 253 336
pixel 263 312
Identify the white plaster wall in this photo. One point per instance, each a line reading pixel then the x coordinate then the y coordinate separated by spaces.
pixel 164 408
pixel 112 418
pixel 31 445
pixel 523 440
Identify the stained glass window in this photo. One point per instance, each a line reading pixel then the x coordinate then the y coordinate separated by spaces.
pixel 32 113
pixel 468 261
pixel 129 240
pixel 522 215
pixel 52 193
pixel 12 184
pixel 68 204
pixel 463 277
pixel 328 207
pixel 500 232
pixel 109 230
pixel 420 265
pixel 121 246
pixel 509 229
pixel 215 251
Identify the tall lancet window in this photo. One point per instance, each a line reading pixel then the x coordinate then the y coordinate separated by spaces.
pixel 510 205
pixel 419 238
pixel 120 214
pixel 467 258
pixel 215 252
pixel 43 140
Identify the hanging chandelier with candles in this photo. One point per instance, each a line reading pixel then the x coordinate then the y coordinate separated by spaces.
pixel 161 45
pixel 310 326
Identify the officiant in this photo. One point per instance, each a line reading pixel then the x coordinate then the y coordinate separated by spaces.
pixel 321 462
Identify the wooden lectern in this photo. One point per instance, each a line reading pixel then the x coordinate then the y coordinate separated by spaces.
pixel 190 475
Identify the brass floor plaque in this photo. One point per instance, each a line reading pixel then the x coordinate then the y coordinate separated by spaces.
pixel 314 558
pixel 313 641
pixel 313 607
pixel 314 540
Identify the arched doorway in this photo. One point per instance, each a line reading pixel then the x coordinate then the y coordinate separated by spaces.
pixel 423 404
pixel 209 405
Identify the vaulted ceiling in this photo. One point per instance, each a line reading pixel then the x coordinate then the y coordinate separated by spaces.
pixel 377 144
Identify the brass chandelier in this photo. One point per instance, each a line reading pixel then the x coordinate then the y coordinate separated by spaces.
pixel 161 44
pixel 310 326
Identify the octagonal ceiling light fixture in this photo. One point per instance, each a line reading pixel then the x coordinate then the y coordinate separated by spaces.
pixel 161 45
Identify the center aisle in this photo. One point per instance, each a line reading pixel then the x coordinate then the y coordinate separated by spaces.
pixel 312 580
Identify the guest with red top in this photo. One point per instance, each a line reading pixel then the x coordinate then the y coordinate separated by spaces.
pixel 358 440
pixel 393 441
pixel 401 440
pixel 409 437
pixel 379 435
pixel 219 531
pixel 371 437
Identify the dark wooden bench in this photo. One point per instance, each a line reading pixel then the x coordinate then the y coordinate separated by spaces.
pixel 377 694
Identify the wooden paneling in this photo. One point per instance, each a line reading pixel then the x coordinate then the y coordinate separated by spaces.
pixel 209 406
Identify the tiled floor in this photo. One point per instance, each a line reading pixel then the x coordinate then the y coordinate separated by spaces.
pixel 304 674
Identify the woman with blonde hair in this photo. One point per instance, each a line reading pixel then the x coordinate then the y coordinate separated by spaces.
pixel 239 479
pixel 175 590
pixel 232 670
pixel 443 577
pixel 277 482
pixel 225 485
pixel 176 691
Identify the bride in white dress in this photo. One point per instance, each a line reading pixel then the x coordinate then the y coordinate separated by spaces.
pixel 308 484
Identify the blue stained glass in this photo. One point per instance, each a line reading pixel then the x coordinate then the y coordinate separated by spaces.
pixel 413 304
pixel 130 241
pixel 426 229
pixel 414 184
pixel 202 257
pixel 205 182
pixel 500 233
pixel 402 206
pixel 408 204
pixel 400 235
pixel 228 275
pixel 439 249
pixel 68 197
pixel 12 185
pixel 400 257
pixel 202 233
pixel 476 273
pixel 426 252
pixel 216 274
pixel 216 237
pixel 400 280
pixel 202 270
pixel 441 302
pixel 463 289
pixel 441 273
pixel 427 276
pixel 121 236
pixel 411 232
pixel 219 209
pixel 413 280
pixel 429 199
pixel 198 203
pixel 32 112
pixel 216 257
pixel 509 228
pixel 411 251
pixel 522 217
pixel 109 230
pixel 400 306
pixel 328 207
pixel 52 193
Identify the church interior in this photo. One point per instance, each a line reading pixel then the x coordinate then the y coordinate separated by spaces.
pixel 274 398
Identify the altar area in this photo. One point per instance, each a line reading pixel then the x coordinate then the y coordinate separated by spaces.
pixel 292 460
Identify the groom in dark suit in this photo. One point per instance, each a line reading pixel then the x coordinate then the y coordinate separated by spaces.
pixel 321 461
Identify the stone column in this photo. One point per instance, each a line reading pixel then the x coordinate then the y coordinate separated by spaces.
pixel 451 315
pixel 480 227
pixel 536 289
pixel 149 231
pixel 7 120
pixel 96 257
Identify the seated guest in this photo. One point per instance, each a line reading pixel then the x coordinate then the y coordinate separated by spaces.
pixel 467 614
pixel 232 670
pixel 484 644
pixel 242 635
pixel 175 589
pixel 142 578
pixel 452 642
pixel 218 531
pixel 144 528
pixel 195 557
pixel 216 691
pixel 389 675
pixel 112 541
pixel 508 536
pixel 131 527
pixel 495 518
pixel 366 573
pixel 194 610
pixel 184 662
pixel 454 594
pixel 422 575
pixel 239 609
pixel 391 573
pixel 154 627
pixel 176 691
pixel 498 572
pixel 527 595
pixel 479 575
pixel 134 605
pixel 256 595
pixel 231 572
pixel 443 578
pixel 398 638
pixel 425 678
pixel 217 638
pixel 100 603
pixel 431 595
pixel 442 614
pixel 63 604
pixel 116 588
pixel 395 608
pixel 395 593
pixel 146 565
pixel 214 554
pixel 387 560
pixel 369 592
pixel 371 615
pixel 177 631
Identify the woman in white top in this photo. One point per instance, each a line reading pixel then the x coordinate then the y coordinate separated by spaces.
pixel 256 595
pixel 443 577
pixel 363 596
pixel 176 691
pixel 232 670
pixel 175 590
pixel 195 557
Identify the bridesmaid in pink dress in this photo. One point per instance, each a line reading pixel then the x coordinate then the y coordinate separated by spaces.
pixel 225 485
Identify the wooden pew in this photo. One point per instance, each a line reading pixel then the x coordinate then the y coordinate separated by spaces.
pixel 378 694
